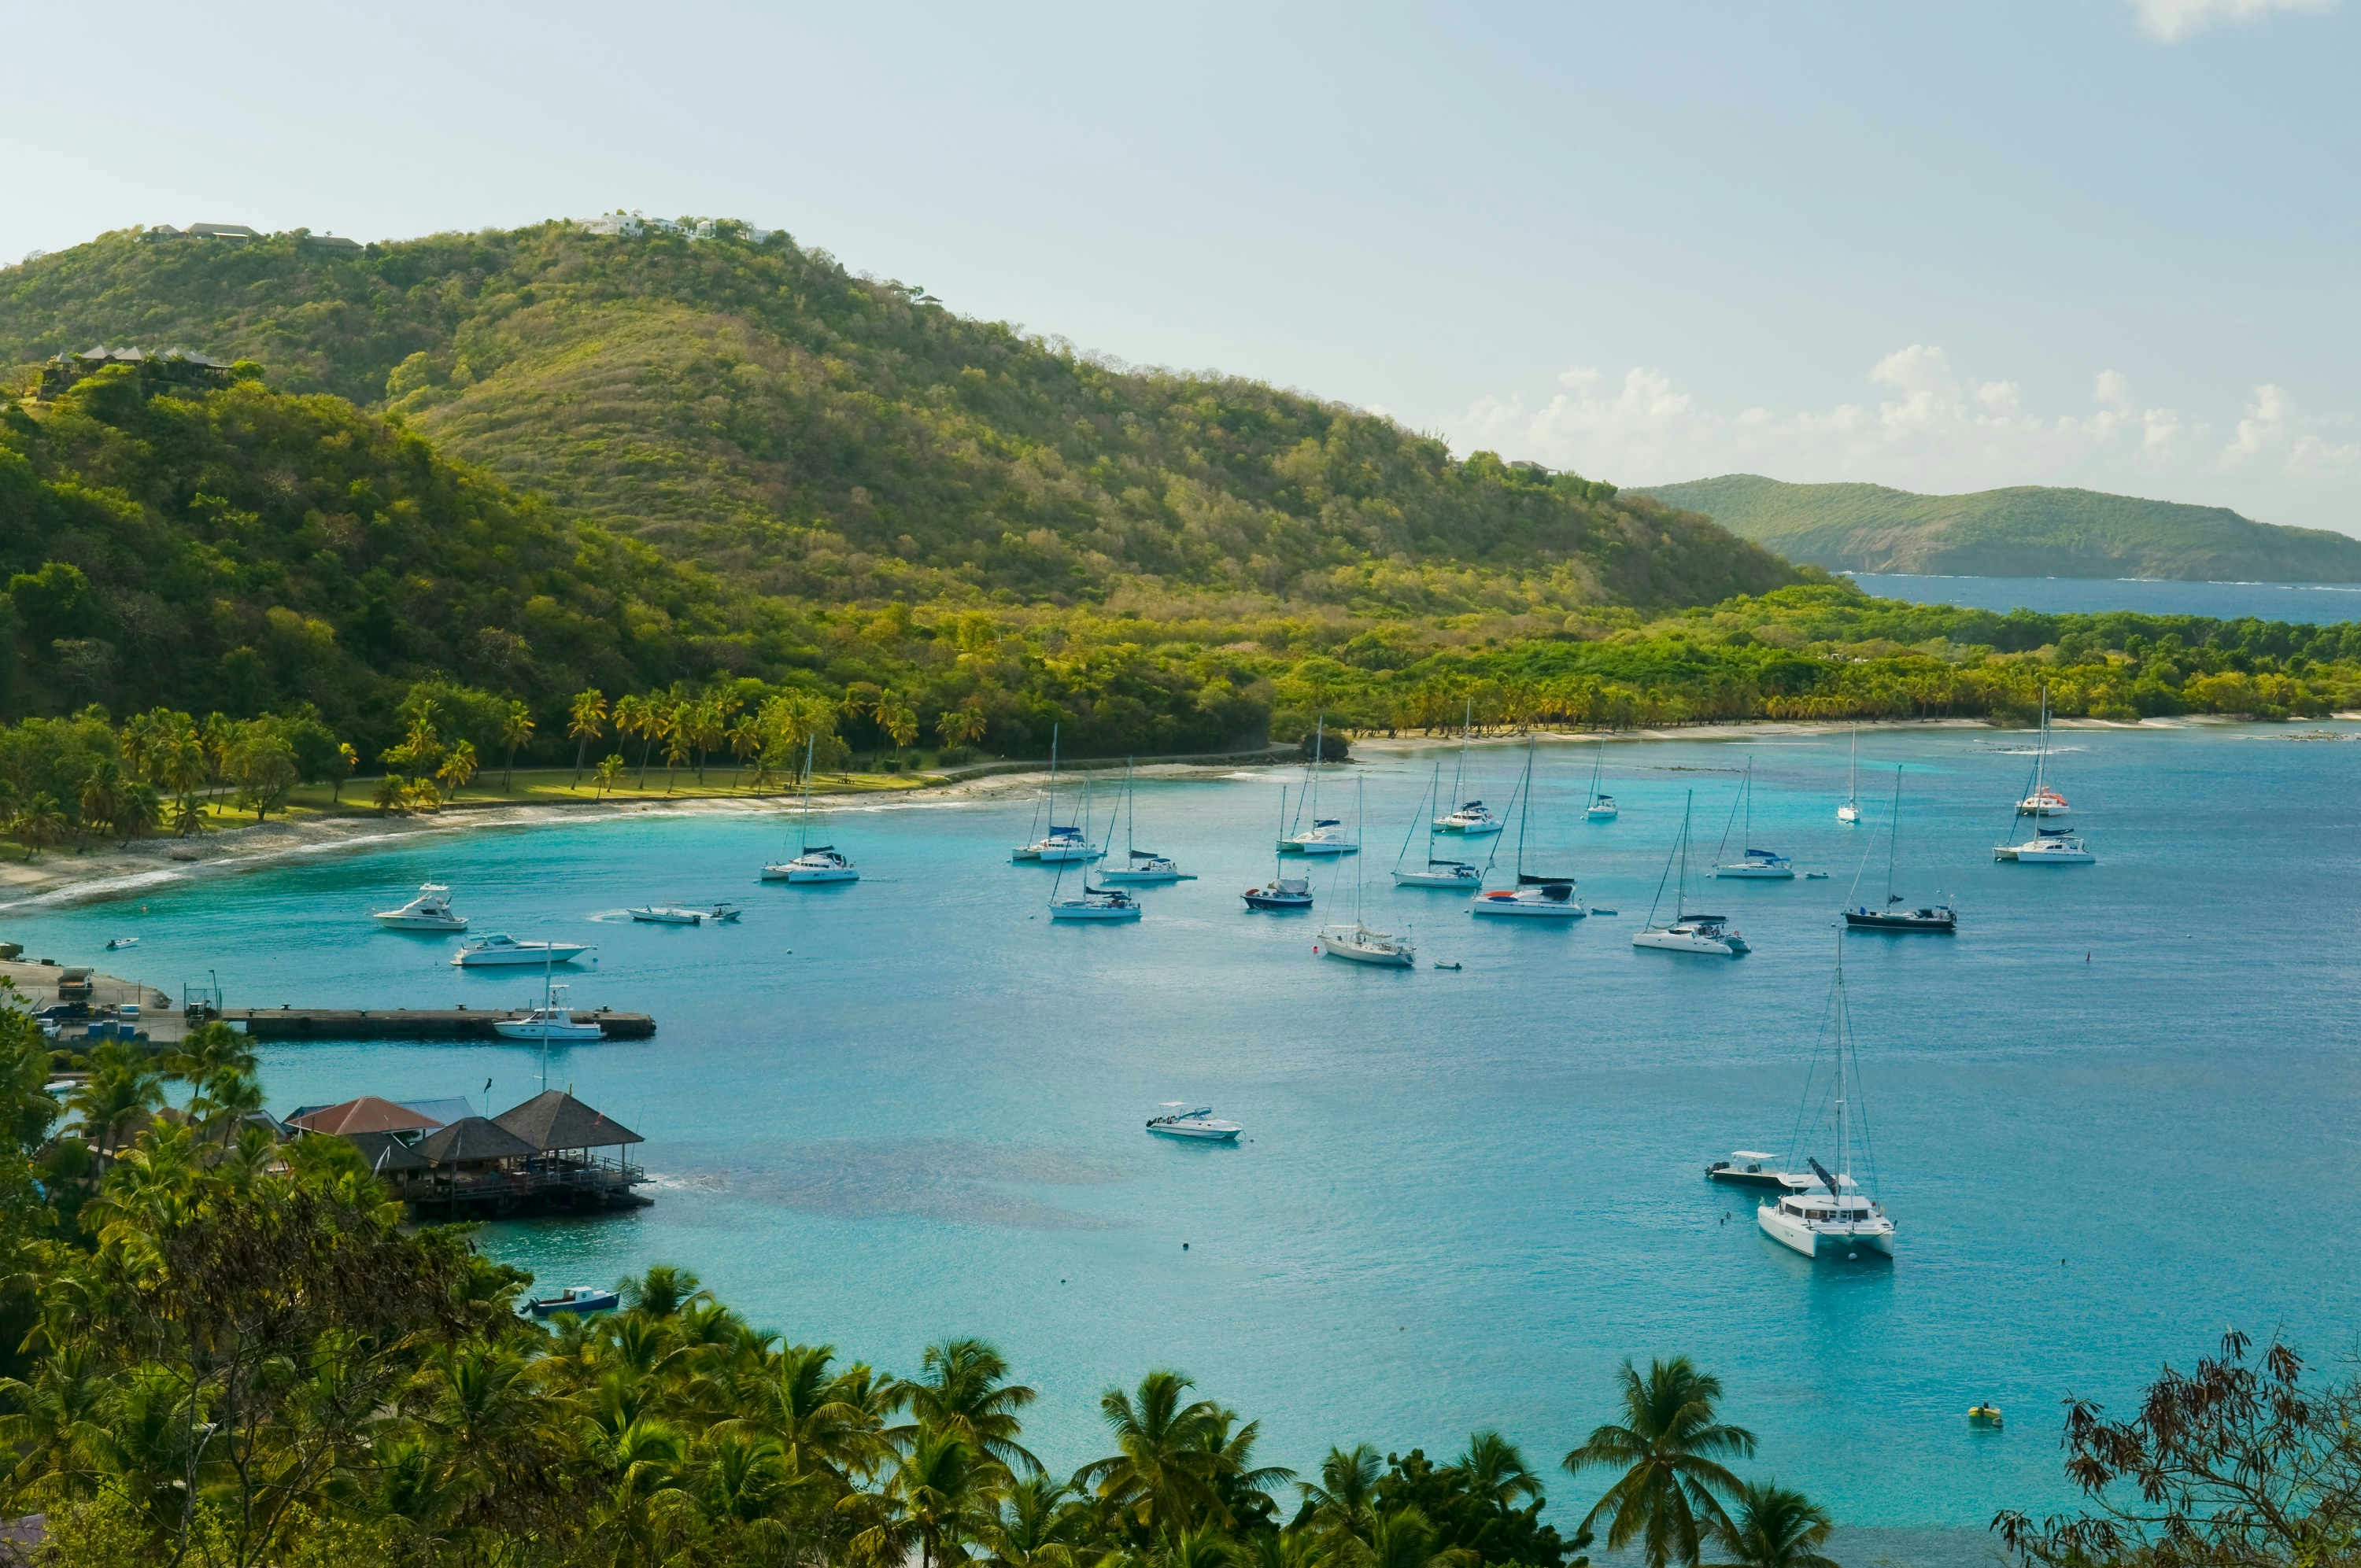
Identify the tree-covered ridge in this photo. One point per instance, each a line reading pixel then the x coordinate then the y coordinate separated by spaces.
pixel 763 412
pixel 2026 530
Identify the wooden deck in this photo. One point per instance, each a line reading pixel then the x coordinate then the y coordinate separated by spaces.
pixel 410 1022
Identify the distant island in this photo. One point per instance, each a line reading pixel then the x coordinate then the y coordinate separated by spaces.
pixel 2025 531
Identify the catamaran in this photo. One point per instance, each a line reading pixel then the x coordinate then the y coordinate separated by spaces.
pixel 2049 846
pixel 1849 812
pixel 1686 933
pixel 1140 867
pixel 1534 897
pixel 1357 943
pixel 1894 913
pixel 812 863
pixel 1762 865
pixel 1437 872
pixel 1602 805
pixel 1834 1214
pixel 1469 818
pixel 1280 893
pixel 2041 800
pixel 430 911
pixel 1180 1121
pixel 1326 835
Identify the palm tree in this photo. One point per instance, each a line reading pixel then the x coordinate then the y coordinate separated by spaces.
pixel 39 824
pixel 934 1499
pixel 1157 1477
pixel 516 729
pixel 662 1291
pixel 458 767
pixel 391 792
pixel 1040 1525
pixel 1775 1528
pixel 1497 1472
pixel 347 760
pixel 100 797
pixel 187 817
pixel 611 768
pixel 961 726
pixel 585 720
pixel 1671 1445
pixel 1404 1538
pixel 680 726
pixel 633 716
pixel 964 1391
pixel 123 1088
pixel 1345 1497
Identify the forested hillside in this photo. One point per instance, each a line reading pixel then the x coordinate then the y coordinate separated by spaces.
pixel 761 411
pixel 2029 531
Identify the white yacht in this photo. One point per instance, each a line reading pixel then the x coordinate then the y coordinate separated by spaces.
pixel 1470 819
pixel 1180 1122
pixel 1138 867
pixel 2042 800
pixel 1437 872
pixel 1534 897
pixel 482 952
pixel 1282 893
pixel 1326 835
pixel 683 915
pixel 1357 943
pixel 1849 812
pixel 1761 865
pixel 1602 805
pixel 1832 1214
pixel 1095 904
pixel 813 863
pixel 1058 846
pixel 2048 846
pixel 550 1024
pixel 1686 933
pixel 430 911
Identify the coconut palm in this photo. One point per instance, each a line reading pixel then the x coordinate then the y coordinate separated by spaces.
pixel 1040 1524
pixel 1775 1528
pixel 965 1390
pixel 1405 1537
pixel 1158 1478
pixel 1344 1500
pixel 458 767
pixel 934 1499
pixel 611 768
pixel 1671 1446
pixel 392 793
pixel 41 823
pixel 516 729
pixel 585 720
pixel 1497 1472
pixel 633 716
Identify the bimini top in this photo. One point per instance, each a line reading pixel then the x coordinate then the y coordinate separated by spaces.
pixel 1327 822
pixel 1750 1153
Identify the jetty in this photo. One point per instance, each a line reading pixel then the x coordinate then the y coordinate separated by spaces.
pixel 552 1154
pixel 410 1023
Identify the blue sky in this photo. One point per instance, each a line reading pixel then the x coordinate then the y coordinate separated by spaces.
pixel 1944 246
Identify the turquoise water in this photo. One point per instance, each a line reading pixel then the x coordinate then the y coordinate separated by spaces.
pixel 2311 602
pixel 2111 1116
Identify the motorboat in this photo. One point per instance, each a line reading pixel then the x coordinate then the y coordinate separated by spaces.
pixel 812 863
pixel 1471 819
pixel 1534 897
pixel 1896 914
pixel 1760 865
pixel 1983 1415
pixel 116 944
pixel 1178 1121
pixel 1357 944
pixel 1831 1214
pixel 549 1024
pixel 1746 1167
pixel 481 952
pixel 683 915
pixel 1095 904
pixel 1326 835
pixel 1602 805
pixel 1455 874
pixel 1281 893
pixel 1849 812
pixel 579 1299
pixel 2048 846
pixel 430 911
pixel 1686 933
pixel 1140 867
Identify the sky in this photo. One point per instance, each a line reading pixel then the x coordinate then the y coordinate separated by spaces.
pixel 1939 245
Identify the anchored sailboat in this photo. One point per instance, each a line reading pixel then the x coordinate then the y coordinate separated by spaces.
pixel 1467 817
pixel 1095 903
pixel 1281 893
pixel 1533 897
pixel 1602 805
pixel 1140 867
pixel 1326 835
pixel 1762 865
pixel 1832 1213
pixel 1939 920
pixel 1849 812
pixel 1059 844
pixel 812 863
pixel 1686 933
pixel 2049 846
pixel 1357 943
pixel 1437 872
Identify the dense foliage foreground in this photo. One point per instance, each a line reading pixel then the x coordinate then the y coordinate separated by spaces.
pixel 224 1350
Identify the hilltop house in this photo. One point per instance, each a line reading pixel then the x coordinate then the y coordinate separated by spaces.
pixel 173 366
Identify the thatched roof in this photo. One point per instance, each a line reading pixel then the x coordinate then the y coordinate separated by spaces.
pixel 366 1114
pixel 472 1142
pixel 553 1119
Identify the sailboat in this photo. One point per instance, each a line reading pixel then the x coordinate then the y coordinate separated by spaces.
pixel 2042 800
pixel 1832 1212
pixel 1140 867
pixel 1687 933
pixel 1281 893
pixel 1060 843
pixel 1357 943
pixel 812 863
pixel 1095 903
pixel 1326 835
pixel 1602 805
pixel 1940 919
pixel 1849 812
pixel 1762 865
pixel 1436 871
pixel 2049 846
pixel 1468 818
pixel 1533 897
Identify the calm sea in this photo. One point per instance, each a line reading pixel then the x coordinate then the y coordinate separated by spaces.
pixel 2111 1116
pixel 2318 602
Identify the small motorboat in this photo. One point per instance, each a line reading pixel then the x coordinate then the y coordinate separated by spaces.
pixel 1449 964
pixel 1178 1122
pixel 119 943
pixel 2048 846
pixel 580 1300
pixel 1281 893
pixel 1815 876
pixel 1746 1167
pixel 480 952
pixel 1983 1415
pixel 682 915
pixel 430 911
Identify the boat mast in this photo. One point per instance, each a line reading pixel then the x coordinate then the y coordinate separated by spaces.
pixel 1129 841
pixel 1434 788
pixel 1526 814
pixel 2042 753
pixel 1893 837
pixel 1681 887
pixel 803 828
pixel 1597 764
pixel 1311 768
pixel 1459 768
pixel 1844 1126
pixel 1276 863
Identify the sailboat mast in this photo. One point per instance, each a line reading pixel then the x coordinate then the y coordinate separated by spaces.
pixel 1319 750
pixel 1681 887
pixel 1129 841
pixel 1459 768
pixel 1526 814
pixel 803 828
pixel 1892 837
pixel 1276 863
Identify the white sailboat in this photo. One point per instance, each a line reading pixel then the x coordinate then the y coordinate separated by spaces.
pixel 1832 1214
pixel 1602 805
pixel 1094 903
pixel 1357 943
pixel 1467 817
pixel 1326 835
pixel 1533 897
pixel 1436 871
pixel 1686 933
pixel 1282 893
pixel 1138 867
pixel 1849 812
pixel 430 911
pixel 2041 800
pixel 2049 846
pixel 812 863
pixel 1060 844
pixel 1761 865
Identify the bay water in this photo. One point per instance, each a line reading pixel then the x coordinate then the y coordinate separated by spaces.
pixel 2316 603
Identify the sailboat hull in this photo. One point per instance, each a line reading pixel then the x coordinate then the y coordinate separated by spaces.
pixel 1093 912
pixel 1741 872
pixel 1467 883
pixel 1848 813
pixel 1376 958
pixel 1516 906
pixel 1466 830
pixel 1317 847
pixel 1144 879
pixel 1065 855
pixel 807 876
pixel 1024 853
pixel 1936 922
pixel 1600 814
pixel 1832 1240
pixel 1684 942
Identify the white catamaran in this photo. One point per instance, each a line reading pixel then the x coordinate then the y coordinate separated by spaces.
pixel 1686 933
pixel 812 863
pixel 1534 897
pixel 1832 1214
pixel 2049 846
pixel 1060 843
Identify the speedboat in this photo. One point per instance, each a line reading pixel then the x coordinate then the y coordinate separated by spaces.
pixel 550 1024
pixel 1357 944
pixel 116 944
pixel 818 862
pixel 1841 1219
pixel 2048 846
pixel 478 952
pixel 1146 868
pixel 1326 835
pixel 1761 864
pixel 1096 903
pixel 1711 934
pixel 1940 919
pixel 681 915
pixel 1473 819
pixel 1457 874
pixel 430 911
pixel 1534 899
pixel 1180 1122
pixel 1745 1167
pixel 2043 802
pixel 1601 809
pixel 579 1299
pixel 1281 893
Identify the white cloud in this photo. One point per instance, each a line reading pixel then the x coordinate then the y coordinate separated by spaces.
pixel 2169 21
pixel 1930 427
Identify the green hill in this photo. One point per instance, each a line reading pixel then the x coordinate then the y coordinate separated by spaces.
pixel 756 409
pixel 2027 531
